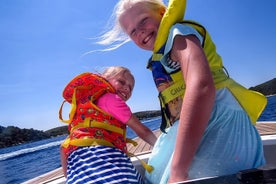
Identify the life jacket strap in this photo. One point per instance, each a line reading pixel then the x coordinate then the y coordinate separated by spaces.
pixel 96 124
pixel 156 56
pixel 147 167
pixel 60 114
pixel 74 102
pixel 90 142
pixel 134 143
pixel 172 92
pixel 73 106
pixel 251 101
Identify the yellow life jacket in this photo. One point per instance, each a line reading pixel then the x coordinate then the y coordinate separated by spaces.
pixel 171 87
pixel 174 13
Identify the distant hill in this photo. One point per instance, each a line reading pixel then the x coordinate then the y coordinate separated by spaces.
pixel 58 131
pixel 11 135
pixel 147 114
pixel 266 88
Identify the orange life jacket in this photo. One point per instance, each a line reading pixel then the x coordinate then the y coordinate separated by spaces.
pixel 88 124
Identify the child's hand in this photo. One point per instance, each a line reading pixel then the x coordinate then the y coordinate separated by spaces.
pixel 173 178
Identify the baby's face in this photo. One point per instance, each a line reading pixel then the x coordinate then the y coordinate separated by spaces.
pixel 141 24
pixel 123 84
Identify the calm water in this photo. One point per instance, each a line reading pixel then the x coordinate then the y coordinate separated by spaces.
pixel 269 114
pixel 26 161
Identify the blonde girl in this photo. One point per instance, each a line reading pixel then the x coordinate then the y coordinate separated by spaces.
pixel 209 132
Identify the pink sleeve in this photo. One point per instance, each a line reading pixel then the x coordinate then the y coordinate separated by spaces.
pixel 115 106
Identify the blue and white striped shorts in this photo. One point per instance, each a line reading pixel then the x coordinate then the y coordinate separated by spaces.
pixel 99 165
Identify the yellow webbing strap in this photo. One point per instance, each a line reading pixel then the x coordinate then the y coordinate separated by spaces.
pixel 73 104
pixel 90 142
pixel 86 142
pixel 175 90
pixel 92 123
pixel 251 101
pixel 134 143
pixel 66 142
pixel 73 108
pixel 156 57
pixel 93 141
pixel 172 92
pixel 174 13
pixel 147 167
pixel 60 113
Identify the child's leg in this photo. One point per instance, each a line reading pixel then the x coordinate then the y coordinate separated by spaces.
pixel 63 160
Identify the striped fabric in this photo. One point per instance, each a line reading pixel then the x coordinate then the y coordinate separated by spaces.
pixel 100 165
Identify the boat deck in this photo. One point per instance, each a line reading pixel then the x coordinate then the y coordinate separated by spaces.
pixel 264 128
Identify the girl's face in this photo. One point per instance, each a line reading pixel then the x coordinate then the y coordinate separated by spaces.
pixel 141 24
pixel 123 84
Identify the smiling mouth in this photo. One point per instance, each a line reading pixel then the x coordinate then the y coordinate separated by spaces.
pixel 123 95
pixel 146 40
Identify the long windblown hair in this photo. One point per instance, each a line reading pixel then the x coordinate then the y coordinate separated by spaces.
pixel 112 71
pixel 115 36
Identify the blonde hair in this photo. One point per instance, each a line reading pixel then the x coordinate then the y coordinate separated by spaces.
pixel 112 71
pixel 115 36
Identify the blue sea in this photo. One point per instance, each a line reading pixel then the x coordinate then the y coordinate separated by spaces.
pixel 24 162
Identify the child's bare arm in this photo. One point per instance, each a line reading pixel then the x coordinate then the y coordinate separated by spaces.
pixel 141 130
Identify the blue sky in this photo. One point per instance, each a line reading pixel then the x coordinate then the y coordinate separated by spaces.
pixel 42 43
